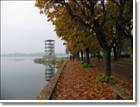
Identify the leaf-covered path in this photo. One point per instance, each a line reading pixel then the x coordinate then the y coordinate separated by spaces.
pixel 77 83
pixel 122 72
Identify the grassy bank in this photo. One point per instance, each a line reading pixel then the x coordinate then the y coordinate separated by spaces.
pixel 57 61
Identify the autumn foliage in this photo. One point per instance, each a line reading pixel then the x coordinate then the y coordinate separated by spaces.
pixel 91 29
pixel 91 26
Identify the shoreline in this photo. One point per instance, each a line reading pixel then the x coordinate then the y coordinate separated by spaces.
pixel 46 92
pixel 78 83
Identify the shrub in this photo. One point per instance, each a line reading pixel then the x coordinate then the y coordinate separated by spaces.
pixel 106 79
pixel 85 65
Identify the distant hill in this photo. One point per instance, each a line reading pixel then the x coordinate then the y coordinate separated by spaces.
pixel 28 55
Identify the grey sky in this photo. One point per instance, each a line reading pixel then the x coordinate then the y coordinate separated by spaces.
pixel 23 29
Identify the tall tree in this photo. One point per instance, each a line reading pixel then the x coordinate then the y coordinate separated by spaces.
pixel 102 18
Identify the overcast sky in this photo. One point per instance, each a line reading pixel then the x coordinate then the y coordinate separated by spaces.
pixel 23 29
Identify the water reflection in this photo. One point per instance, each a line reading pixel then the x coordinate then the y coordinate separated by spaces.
pixel 21 80
pixel 49 71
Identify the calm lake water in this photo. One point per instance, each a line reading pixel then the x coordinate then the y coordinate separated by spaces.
pixel 22 79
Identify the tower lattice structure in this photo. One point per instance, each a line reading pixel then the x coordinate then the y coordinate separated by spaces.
pixel 49 49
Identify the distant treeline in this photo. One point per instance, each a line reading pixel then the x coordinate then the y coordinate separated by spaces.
pixel 28 55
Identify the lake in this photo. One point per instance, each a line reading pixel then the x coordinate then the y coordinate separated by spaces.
pixel 22 79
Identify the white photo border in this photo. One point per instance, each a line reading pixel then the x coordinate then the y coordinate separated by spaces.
pixel 134 101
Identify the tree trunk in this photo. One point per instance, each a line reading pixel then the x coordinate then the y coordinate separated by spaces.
pixel 107 55
pixel 82 57
pixel 94 54
pixel 87 56
pixel 119 51
pixel 115 53
pixel 77 56
pixel 84 54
